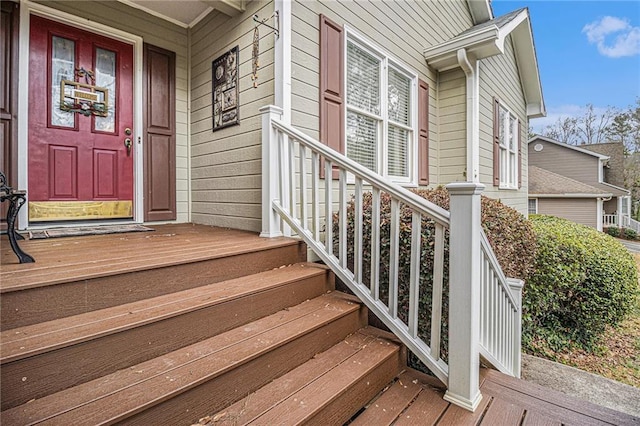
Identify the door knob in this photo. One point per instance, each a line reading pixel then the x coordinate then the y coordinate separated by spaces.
pixel 128 143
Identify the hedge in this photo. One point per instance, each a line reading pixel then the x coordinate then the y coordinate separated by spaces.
pixel 583 281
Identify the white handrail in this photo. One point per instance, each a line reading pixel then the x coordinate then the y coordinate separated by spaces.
pixel 629 223
pixel 414 201
pixel 293 197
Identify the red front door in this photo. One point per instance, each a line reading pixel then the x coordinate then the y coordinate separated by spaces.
pixel 80 124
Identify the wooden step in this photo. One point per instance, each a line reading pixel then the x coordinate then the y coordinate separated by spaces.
pixel 414 398
pixel 327 390
pixel 184 385
pixel 385 409
pixel 127 273
pixel 87 346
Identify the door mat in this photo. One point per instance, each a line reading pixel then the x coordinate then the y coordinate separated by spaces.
pixel 86 230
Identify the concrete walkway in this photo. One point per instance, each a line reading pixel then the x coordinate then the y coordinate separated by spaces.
pixel 632 246
pixel 581 384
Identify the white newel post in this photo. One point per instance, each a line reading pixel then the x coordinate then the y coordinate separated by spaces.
pixel 270 220
pixel 620 212
pixel 516 286
pixel 464 295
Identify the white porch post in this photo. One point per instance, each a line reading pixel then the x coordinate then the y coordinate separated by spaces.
pixel 516 287
pixel 464 295
pixel 600 214
pixel 620 212
pixel 270 221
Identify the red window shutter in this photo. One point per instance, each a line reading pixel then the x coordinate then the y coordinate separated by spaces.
pixel 423 133
pixel 519 154
pixel 331 86
pixel 496 142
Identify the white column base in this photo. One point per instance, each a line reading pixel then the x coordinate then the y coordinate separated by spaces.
pixel 462 402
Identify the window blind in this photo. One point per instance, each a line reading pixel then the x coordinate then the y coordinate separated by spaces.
pixel 363 79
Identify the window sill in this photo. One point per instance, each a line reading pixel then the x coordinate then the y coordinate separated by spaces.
pixel 508 188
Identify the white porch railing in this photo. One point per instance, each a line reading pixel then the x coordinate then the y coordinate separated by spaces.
pixel 629 223
pixel 292 200
pixel 623 221
pixel 610 220
pixel 500 315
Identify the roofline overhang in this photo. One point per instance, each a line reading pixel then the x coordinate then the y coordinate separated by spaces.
pixel 626 191
pixel 480 11
pixel 532 195
pixel 573 147
pixel 490 41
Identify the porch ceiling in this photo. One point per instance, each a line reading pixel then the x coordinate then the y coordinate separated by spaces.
pixel 187 13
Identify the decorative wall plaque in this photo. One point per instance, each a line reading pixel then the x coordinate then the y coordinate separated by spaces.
pixel 225 90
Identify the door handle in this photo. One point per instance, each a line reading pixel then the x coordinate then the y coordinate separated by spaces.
pixel 128 143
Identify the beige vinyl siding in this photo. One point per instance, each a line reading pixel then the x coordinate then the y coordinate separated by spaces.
pixel 159 33
pixel 499 77
pixel 226 164
pixel 452 146
pixel 401 29
pixel 580 210
pixel 565 161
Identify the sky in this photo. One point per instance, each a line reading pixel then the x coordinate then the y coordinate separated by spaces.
pixel 588 53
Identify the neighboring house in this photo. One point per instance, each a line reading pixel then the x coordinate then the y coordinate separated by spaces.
pixel 579 183
pixel 136 111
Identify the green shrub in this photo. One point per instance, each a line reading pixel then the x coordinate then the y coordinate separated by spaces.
pixel 630 234
pixel 509 233
pixel 614 231
pixel 583 281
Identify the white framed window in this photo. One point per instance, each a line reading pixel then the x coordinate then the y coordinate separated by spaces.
pixel 508 137
pixel 381 111
pixel 533 206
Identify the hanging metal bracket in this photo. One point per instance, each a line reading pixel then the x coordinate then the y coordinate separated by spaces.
pixel 276 21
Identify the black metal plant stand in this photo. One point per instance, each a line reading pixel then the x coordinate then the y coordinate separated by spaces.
pixel 16 200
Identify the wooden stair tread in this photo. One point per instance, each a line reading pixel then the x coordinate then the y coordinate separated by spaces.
pixel 35 339
pixel 387 407
pixel 256 404
pixel 427 408
pixel 113 397
pixel 131 262
pixel 302 405
pixel 415 398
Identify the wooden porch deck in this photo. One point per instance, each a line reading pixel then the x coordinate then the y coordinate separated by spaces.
pixel 412 398
pixel 62 259
pixel 415 398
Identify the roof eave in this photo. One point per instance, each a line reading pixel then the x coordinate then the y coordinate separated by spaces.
pixel 480 44
pixel 489 41
pixel 625 190
pixel 572 147
pixel 526 58
pixel 480 11
pixel 534 195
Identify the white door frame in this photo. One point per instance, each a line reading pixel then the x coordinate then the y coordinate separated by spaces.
pixel 28 8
